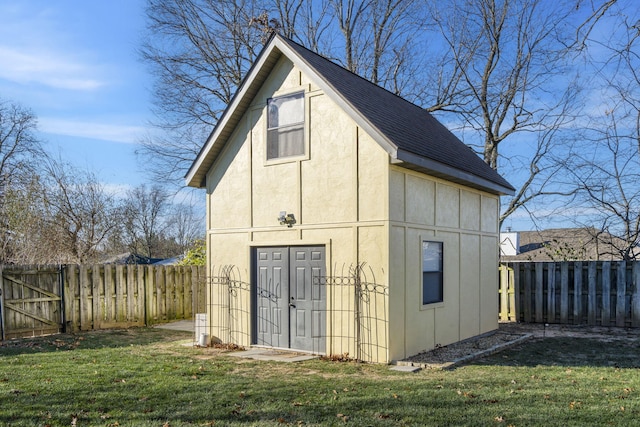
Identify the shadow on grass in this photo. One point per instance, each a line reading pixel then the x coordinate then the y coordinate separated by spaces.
pixel 90 340
pixel 569 351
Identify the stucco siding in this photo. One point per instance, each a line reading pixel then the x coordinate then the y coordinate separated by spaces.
pixel 470 285
pixel 341 179
pixel 397 196
pixel 398 296
pixel 228 257
pixel 421 210
pixel 358 216
pixel 447 203
pixel 328 191
pixel 490 212
pixel 231 180
pixel 489 277
pixel 447 314
pixel 431 209
pixel 469 209
pixel 373 179
pixel 417 328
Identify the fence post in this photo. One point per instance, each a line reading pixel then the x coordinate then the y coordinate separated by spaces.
pixel 539 291
pixel 97 285
pixel 516 291
pixel 527 293
pixel 564 292
pixel 63 298
pixel 504 292
pixel 635 297
pixel 592 298
pixel 551 292
pixel 150 287
pixel 577 292
pixel 141 290
pixel 606 293
pixel 621 292
pixel 2 336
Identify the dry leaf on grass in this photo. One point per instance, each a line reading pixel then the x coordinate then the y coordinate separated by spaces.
pixel 343 417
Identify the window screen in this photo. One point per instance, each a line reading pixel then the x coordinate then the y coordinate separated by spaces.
pixel 285 126
pixel 432 277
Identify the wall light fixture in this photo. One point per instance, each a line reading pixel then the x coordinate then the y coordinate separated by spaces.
pixel 286 219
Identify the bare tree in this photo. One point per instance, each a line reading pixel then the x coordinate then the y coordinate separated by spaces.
pixel 199 51
pixel 313 26
pixel 151 227
pixel 79 214
pixel 19 148
pixel 608 181
pixel 20 152
pixel 509 81
pixel 606 161
pixel 349 14
pixel 23 223
pixel 504 70
pixel 186 226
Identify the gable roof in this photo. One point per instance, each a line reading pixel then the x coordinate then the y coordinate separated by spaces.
pixel 413 138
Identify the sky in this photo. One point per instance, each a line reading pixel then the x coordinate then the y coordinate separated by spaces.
pixel 74 64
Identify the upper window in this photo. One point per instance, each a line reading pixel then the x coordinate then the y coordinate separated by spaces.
pixel 285 126
pixel 432 277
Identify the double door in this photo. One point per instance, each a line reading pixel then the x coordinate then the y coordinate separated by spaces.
pixel 289 297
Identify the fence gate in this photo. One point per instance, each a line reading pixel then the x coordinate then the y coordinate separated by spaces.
pixel 30 302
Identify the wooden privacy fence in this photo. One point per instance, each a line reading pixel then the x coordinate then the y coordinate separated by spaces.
pixel 602 293
pixel 36 300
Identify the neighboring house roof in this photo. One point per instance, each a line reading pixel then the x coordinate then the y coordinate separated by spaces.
pixel 170 261
pixel 130 258
pixel 413 138
pixel 566 244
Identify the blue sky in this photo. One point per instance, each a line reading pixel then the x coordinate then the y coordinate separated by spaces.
pixel 74 64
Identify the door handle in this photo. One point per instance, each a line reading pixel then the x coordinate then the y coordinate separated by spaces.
pixel 292 305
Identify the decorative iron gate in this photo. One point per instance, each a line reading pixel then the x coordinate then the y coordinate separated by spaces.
pixel 356 310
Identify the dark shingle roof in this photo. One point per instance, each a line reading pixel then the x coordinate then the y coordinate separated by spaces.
pixel 405 125
pixel 412 137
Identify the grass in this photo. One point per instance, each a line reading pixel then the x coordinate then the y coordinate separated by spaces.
pixel 144 377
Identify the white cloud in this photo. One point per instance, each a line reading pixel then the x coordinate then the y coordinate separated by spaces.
pixel 105 132
pixel 38 48
pixel 49 69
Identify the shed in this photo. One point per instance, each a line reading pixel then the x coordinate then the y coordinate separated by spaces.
pixel 343 219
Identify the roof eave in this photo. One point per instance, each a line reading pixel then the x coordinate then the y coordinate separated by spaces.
pixel 431 167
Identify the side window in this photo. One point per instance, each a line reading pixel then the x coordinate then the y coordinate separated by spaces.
pixel 432 277
pixel 285 126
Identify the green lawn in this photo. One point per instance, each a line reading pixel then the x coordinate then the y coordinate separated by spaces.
pixel 144 377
